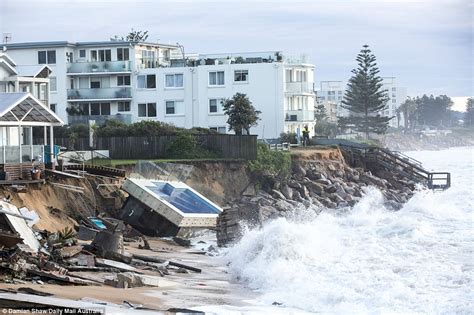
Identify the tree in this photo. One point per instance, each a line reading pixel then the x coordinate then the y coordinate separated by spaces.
pixel 469 114
pixel 434 111
pixel 133 36
pixel 242 114
pixel 408 109
pixel 364 97
pixel 323 126
pixel 320 113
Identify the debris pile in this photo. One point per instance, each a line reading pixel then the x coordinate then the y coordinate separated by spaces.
pixel 94 255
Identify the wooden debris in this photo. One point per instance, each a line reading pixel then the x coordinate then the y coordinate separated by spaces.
pixel 149 259
pixel 172 263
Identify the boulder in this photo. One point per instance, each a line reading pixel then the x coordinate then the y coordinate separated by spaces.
pixel 277 194
pixel 331 189
pixel 315 187
pixel 287 191
pixel 298 169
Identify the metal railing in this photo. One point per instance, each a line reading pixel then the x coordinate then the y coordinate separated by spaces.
pixel 299 87
pixel 99 67
pixel 101 93
pixel 11 153
pixel 99 119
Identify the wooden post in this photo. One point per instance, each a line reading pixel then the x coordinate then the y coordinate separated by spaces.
pixel 45 139
pixel 31 143
pixel 51 149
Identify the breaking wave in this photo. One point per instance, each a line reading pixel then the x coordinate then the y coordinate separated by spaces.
pixel 370 259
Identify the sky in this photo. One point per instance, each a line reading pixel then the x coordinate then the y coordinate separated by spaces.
pixel 426 44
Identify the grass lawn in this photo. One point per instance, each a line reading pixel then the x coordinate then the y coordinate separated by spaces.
pixel 116 163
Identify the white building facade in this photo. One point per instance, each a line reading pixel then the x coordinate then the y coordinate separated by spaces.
pixel 331 94
pixel 133 81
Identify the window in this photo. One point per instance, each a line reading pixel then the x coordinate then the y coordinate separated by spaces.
pixel 170 109
pixel 95 83
pixel 216 78
pixel 99 109
pixel 47 57
pixel 69 57
pixel 339 92
pixel 174 80
pixel 219 129
pixel 394 100
pixel 215 105
pixel 122 54
pixel 173 107
pixel 123 107
pixel 147 110
pixel 394 95
pixel 82 53
pixel 101 55
pixel 123 80
pixel 241 75
pixel 394 89
pixel 52 84
pixel 146 81
pixel 52 107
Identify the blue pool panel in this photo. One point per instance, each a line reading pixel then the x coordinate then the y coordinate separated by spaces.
pixel 182 198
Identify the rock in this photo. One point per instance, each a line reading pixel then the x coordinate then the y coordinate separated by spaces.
pixel 283 205
pixel 372 180
pixel 314 175
pixel 331 189
pixel 298 169
pixel 304 192
pixel 249 191
pixel 278 194
pixel 336 198
pixel 276 185
pixel 331 167
pixel 315 187
pixel 323 181
pixel 287 191
pixel 294 184
pixel 296 195
pixel 268 212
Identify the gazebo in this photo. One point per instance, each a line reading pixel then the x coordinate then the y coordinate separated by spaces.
pixel 19 113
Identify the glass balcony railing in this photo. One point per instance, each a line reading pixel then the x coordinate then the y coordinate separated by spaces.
pixel 100 94
pixel 299 87
pixel 299 115
pixel 150 63
pixel 98 67
pixel 99 119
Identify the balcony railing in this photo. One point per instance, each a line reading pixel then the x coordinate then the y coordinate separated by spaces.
pixel 100 94
pixel 99 119
pixel 11 153
pixel 299 115
pixel 299 87
pixel 98 67
pixel 149 63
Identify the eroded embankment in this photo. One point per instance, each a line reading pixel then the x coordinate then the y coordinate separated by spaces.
pixel 60 207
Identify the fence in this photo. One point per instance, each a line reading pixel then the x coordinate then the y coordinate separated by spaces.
pixel 226 146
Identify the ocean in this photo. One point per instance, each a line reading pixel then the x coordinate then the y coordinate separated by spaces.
pixel 369 259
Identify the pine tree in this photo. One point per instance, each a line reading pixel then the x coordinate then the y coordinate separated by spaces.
pixel 469 115
pixel 365 97
pixel 242 114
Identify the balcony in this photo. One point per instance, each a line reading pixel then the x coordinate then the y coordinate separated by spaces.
pixel 299 115
pixel 299 87
pixel 150 63
pixel 79 68
pixel 99 119
pixel 117 93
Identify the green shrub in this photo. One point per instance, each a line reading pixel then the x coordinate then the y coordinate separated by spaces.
pixel 185 146
pixel 271 163
pixel 289 137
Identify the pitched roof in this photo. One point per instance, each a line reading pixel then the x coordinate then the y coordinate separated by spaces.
pixel 25 108
pixel 33 71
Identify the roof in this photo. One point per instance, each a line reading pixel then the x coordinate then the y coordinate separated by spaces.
pixel 33 71
pixel 7 59
pixel 24 109
pixel 52 44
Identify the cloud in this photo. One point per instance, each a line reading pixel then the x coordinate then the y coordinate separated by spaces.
pixel 426 44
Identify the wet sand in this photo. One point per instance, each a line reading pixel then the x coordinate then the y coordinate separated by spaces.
pixel 213 286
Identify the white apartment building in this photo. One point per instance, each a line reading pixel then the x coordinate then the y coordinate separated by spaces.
pixel 331 94
pixel 133 81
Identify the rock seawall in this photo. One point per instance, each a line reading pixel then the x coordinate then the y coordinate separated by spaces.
pixel 320 179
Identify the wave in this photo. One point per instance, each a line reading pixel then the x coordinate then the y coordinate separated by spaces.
pixel 366 259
